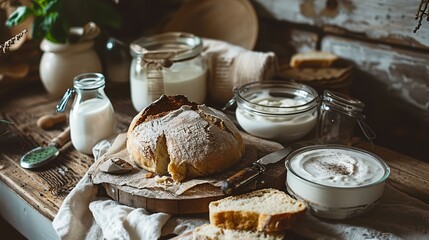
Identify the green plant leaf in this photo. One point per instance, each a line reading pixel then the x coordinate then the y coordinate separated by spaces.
pixel 58 32
pixel 43 3
pixel 4 122
pixel 18 16
pixel 52 6
pixel 39 29
pixel 53 18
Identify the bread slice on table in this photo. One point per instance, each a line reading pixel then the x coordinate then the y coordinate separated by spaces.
pixel 315 59
pixel 211 232
pixel 268 210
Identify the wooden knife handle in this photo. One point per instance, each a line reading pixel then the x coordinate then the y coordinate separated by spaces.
pixel 48 121
pixel 62 139
pixel 242 177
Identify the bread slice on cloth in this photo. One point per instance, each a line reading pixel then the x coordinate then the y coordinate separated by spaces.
pixel 268 210
pixel 184 139
pixel 211 232
pixel 314 59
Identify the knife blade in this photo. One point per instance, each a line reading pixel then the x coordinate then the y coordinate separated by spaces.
pixel 253 171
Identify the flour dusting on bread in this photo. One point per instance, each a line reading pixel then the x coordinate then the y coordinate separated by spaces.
pixel 183 139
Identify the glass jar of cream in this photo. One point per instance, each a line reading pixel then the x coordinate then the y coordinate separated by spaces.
pixel 167 63
pixel 277 110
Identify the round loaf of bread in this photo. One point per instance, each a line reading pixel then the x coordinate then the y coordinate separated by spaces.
pixel 183 138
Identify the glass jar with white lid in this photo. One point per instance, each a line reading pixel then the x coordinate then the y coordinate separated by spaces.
pixel 168 63
pixel 277 110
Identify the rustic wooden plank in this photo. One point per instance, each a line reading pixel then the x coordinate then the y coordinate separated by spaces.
pixel 46 187
pixel 392 83
pixel 403 72
pixel 407 174
pixel 285 41
pixel 25 186
pixel 386 20
pixel 162 205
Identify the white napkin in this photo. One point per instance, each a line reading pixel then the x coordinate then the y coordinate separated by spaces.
pixel 74 219
pixel 121 222
pixel 233 66
pixel 83 215
pixel 397 216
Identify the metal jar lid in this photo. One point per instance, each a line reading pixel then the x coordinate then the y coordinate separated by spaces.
pixel 175 46
pixel 343 103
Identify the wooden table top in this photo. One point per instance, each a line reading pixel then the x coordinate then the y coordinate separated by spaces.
pixel 45 188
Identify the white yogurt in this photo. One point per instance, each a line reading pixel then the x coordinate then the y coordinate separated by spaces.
pixel 92 121
pixel 336 181
pixel 180 79
pixel 337 167
pixel 283 127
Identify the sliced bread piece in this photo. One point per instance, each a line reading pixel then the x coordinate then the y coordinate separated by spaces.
pixel 315 59
pixel 211 232
pixel 268 210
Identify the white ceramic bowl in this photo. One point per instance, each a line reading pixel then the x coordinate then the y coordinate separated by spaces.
pixel 336 181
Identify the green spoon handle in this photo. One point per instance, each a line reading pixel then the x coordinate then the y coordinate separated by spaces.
pixel 62 139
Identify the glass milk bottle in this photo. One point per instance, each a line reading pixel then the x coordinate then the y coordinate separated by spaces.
pixel 92 117
pixel 168 63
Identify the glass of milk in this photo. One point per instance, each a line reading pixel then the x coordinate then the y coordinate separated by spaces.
pixel 170 64
pixel 92 117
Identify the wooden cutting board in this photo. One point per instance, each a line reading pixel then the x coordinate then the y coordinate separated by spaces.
pixel 196 199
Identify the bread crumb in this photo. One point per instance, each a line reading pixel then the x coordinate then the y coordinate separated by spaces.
pixel 165 180
pixel 149 175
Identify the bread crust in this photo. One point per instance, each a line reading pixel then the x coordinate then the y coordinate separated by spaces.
pixel 255 220
pixel 183 138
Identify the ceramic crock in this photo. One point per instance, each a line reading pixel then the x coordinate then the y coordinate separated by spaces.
pixel 60 63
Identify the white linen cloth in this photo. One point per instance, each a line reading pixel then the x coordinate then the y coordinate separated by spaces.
pixel 83 215
pixel 397 216
pixel 233 66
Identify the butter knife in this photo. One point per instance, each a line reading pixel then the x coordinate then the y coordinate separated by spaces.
pixel 253 171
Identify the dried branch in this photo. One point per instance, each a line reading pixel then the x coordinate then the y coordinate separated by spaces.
pixel 6 46
pixel 421 12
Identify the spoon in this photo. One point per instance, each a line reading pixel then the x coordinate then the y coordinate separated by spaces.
pixel 88 32
pixel 43 155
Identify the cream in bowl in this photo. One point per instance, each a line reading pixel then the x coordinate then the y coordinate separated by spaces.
pixel 281 111
pixel 336 181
